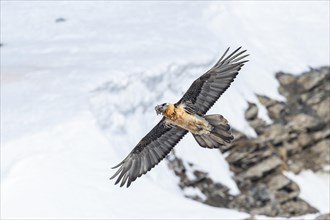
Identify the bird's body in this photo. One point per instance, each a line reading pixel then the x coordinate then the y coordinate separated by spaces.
pixel 187 115
pixel 177 115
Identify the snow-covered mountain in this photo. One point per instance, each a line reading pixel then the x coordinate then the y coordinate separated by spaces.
pixel 79 82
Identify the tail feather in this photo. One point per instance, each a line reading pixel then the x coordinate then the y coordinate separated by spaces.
pixel 220 134
pixel 224 134
pixel 218 139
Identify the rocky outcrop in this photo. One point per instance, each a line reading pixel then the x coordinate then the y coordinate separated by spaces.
pixel 323 217
pixel 298 138
pixel 211 193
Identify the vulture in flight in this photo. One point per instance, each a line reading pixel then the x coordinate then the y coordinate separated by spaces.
pixel 187 115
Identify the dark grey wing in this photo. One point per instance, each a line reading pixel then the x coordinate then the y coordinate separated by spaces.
pixel 207 89
pixel 148 152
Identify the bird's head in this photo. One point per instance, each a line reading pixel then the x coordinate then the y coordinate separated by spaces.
pixel 160 109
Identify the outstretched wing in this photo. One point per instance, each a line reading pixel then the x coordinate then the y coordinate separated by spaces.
pixel 207 89
pixel 148 152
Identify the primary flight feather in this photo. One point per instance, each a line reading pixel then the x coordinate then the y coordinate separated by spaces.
pixel 187 115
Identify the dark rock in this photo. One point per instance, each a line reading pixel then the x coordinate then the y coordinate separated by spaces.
pixel 291 148
pixel 323 108
pixel 310 81
pixel 323 217
pixel 266 101
pixel 276 110
pixel 261 169
pixel 319 135
pixel 251 115
pixel 260 194
pixel 288 84
pixel 276 133
pixel 216 194
pixel 297 208
pixel 287 192
pixel 296 166
pixel 322 151
pixel 258 125
pixel 304 140
pixel 304 122
pixel 285 78
pixel 278 182
pixel 313 98
pixel 251 112
pixel 251 217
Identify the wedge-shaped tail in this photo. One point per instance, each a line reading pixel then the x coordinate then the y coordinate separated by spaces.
pixel 220 134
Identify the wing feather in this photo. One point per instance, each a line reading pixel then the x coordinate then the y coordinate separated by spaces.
pixel 148 152
pixel 207 89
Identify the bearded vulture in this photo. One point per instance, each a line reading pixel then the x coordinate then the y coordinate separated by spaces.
pixel 187 115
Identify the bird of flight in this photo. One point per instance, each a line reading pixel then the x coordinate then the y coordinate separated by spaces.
pixel 187 115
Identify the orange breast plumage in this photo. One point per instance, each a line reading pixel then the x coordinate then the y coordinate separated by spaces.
pixel 177 115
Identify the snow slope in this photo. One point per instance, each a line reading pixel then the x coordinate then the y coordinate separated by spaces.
pixel 63 85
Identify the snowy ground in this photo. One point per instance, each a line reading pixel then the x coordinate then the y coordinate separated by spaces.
pixel 63 85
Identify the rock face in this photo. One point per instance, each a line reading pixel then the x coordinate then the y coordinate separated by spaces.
pixel 297 139
pixel 323 217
